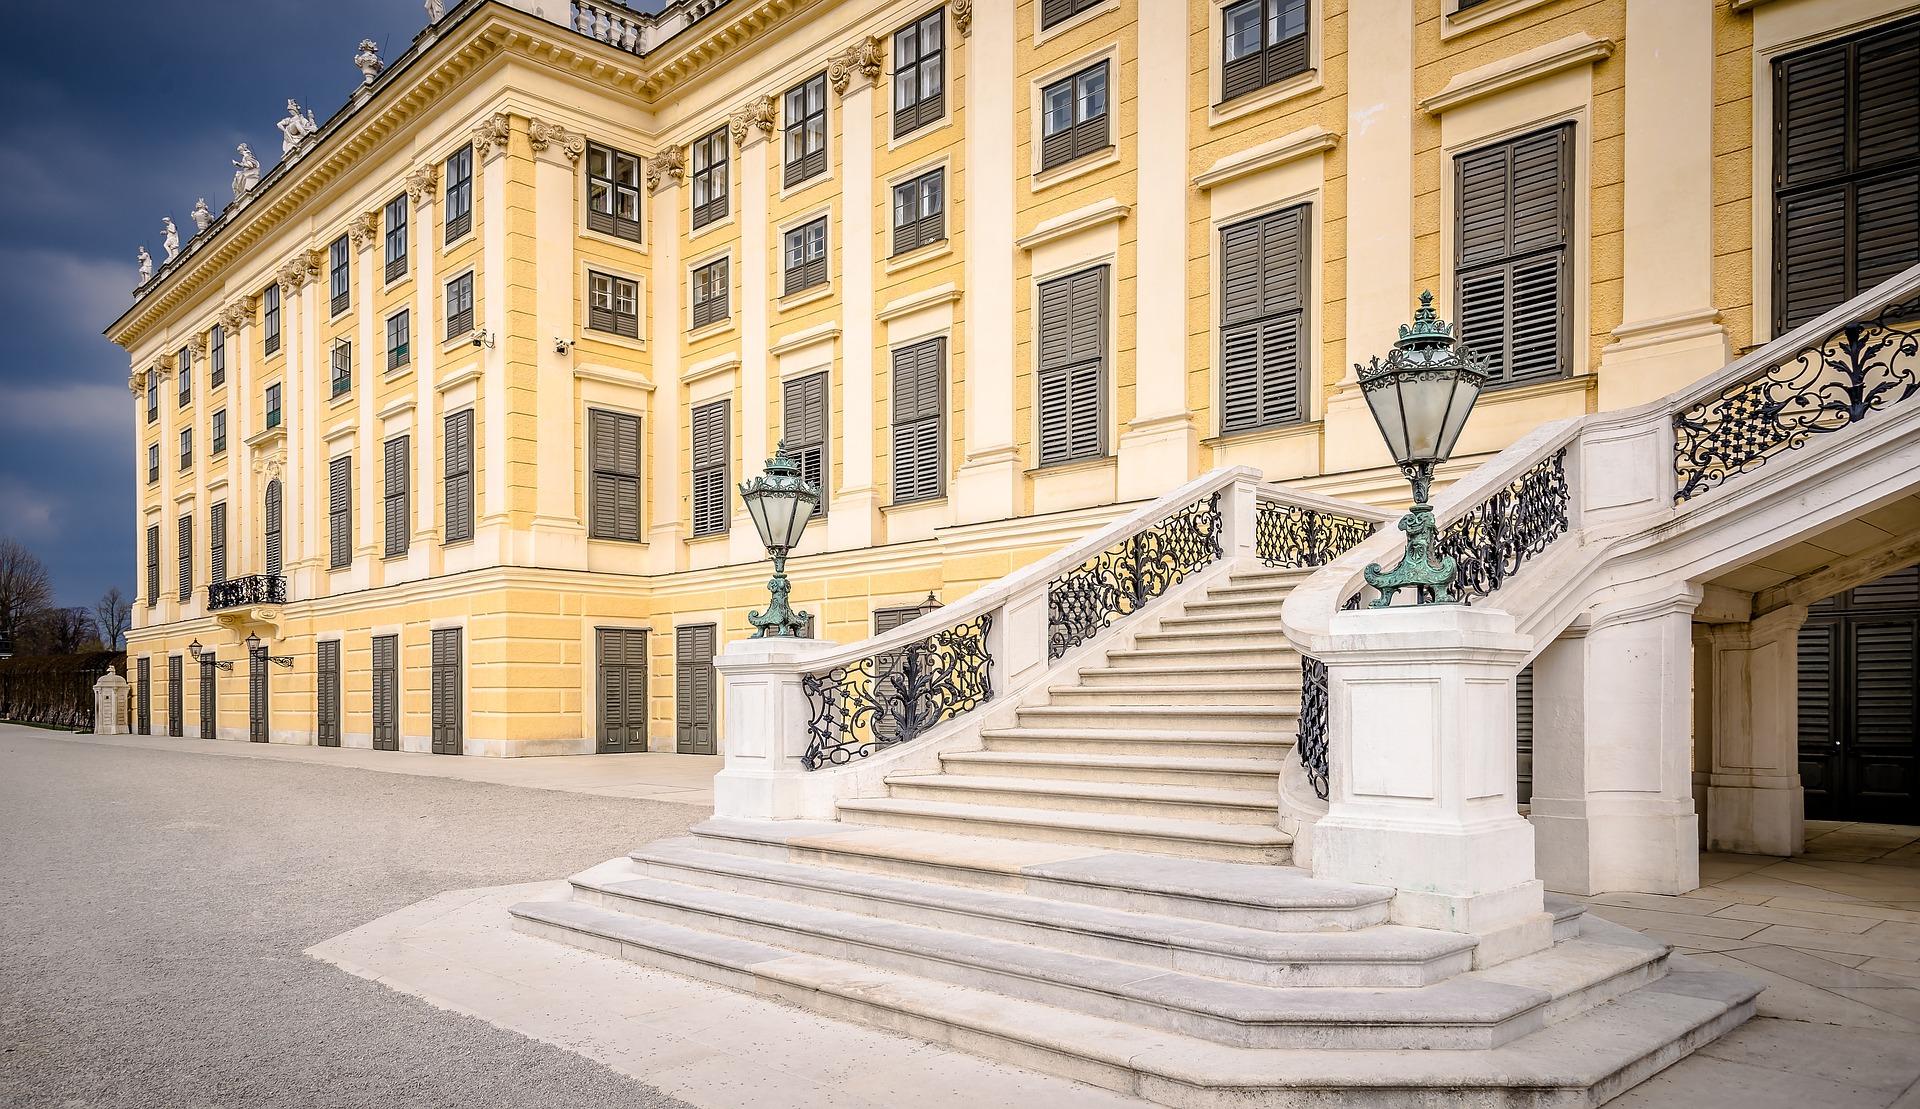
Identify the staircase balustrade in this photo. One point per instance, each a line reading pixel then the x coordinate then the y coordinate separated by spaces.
pixel 897 695
pixel 1491 540
pixel 1298 535
pixel 1125 577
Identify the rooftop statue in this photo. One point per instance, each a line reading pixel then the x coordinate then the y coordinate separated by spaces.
pixel 246 172
pixel 172 239
pixel 202 216
pixel 146 266
pixel 368 59
pixel 295 128
pixel 435 9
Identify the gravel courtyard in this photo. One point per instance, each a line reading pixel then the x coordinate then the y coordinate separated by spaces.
pixel 155 904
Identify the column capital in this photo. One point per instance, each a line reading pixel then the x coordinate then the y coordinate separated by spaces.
pixel 757 113
pixel 542 135
pixel 364 229
pixel 865 59
pixel 421 182
pixel 492 134
pixel 666 169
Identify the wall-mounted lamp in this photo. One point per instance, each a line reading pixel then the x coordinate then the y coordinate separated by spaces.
pixel 255 648
pixel 205 657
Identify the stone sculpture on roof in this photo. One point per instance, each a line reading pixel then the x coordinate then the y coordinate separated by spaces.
pixel 146 266
pixel 246 172
pixel 172 238
pixel 202 215
pixel 295 128
pixel 368 59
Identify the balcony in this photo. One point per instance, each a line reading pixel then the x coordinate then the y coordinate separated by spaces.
pixel 254 589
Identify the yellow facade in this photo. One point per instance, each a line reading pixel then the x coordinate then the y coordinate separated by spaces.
pixel 1665 283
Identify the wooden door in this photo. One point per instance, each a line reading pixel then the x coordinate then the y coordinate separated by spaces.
pixel 1860 703
pixel 623 689
pixel 209 698
pixel 386 693
pixel 257 695
pixel 694 690
pixel 143 699
pixel 327 689
pixel 448 737
pixel 176 695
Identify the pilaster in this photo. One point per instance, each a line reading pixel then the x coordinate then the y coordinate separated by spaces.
pixel 666 548
pixel 424 246
pixel 752 131
pixel 1755 804
pixel 493 141
pixel 854 521
pixel 370 526
pixel 559 534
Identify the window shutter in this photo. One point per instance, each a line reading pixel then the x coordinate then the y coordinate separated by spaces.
pixel 340 512
pixel 398 494
pixel 273 551
pixel 153 564
pixel 918 464
pixel 803 412
pixel 1816 685
pixel 599 317
pixel 328 689
pixel 186 558
pixel 1263 278
pixel 459 476
pixel 446 691
pixel 1072 370
pixel 1053 11
pixel 711 450
pixel 386 693
pixel 613 447
pixel 693 689
pixel 1513 221
pixel 217 543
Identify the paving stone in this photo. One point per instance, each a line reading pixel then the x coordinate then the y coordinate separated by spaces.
pixel 1720 1084
pixel 1803 918
pixel 1876 1060
pixel 1812 968
pixel 1901 968
pixel 1659 923
pixel 1902 1001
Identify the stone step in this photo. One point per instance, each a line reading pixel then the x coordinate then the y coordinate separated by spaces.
pixel 1249 773
pixel 1473 1011
pixel 1193 839
pixel 1261 896
pixel 1194 675
pixel 1270 693
pixel 1217 603
pixel 1380 956
pixel 1256 622
pixel 1196 744
pixel 1202 803
pixel 1262 641
pixel 1198 651
pixel 1258 720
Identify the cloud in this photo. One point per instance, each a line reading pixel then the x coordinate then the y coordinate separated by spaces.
pixel 25 513
pixel 63 291
pixel 78 407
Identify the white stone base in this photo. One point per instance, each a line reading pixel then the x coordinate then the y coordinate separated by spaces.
pixel 1748 820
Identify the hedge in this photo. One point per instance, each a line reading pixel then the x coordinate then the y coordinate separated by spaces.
pixel 54 689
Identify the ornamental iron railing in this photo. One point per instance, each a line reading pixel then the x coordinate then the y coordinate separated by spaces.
pixel 1849 373
pixel 895 696
pixel 1294 535
pixel 1311 740
pixel 254 589
pixel 1122 579
pixel 1521 519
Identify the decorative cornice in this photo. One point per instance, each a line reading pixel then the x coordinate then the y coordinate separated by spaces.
pixel 364 229
pixel 1078 220
pixel 492 132
pixel 421 182
pixel 757 113
pixel 866 58
pixel 963 16
pixel 667 167
pixel 541 134
pixel 1303 143
pixel 947 293
pixel 1529 65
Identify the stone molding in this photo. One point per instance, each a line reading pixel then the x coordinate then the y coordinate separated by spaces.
pixel 665 168
pixel 867 58
pixel 422 181
pixel 492 134
pixel 137 382
pixel 541 134
pixel 295 272
pixel 198 344
pixel 237 313
pixel 364 229
pixel 757 113
pixel 1528 65
pixel 963 16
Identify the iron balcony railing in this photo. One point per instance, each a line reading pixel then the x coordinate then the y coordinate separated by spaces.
pixel 254 589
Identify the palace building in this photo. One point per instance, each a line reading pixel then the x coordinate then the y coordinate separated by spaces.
pixel 441 422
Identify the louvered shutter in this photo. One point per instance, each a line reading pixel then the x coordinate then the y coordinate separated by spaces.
pixel 1512 223
pixel 711 449
pixel 1523 735
pixel 613 447
pixel 340 512
pixel 176 693
pixel 143 702
pixel 1263 283
pixel 273 521
pixel 153 564
pixel 327 680
pixel 397 499
pixel 918 418
pixel 217 543
pixel 459 476
pixel 1072 370
pixel 209 698
pixel 447 737
pixel 693 689
pixel 186 558
pixel 258 710
pixel 1053 11
pixel 386 693
pixel 803 412
pixel 623 689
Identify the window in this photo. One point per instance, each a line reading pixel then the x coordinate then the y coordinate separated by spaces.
pixel 709 178
pixel 270 318
pixel 919 73
pixel 712 443
pixel 395 218
pixel 1263 283
pixel 216 357
pixel 153 396
pixel 184 360
pixel 459 213
pixel 806 250
pixel 920 212
pixel 396 494
pixel 186 449
pixel 1513 219
pixel 153 462
pixel 919 421
pixel 459 476
pixel 613 460
pixel 272 528
pixel 399 339
pixel 220 432
pixel 340 512
pixel 460 306
pixel 613 192
pixel 613 304
pixel 803 428
pixel 273 405
pixel 1263 42
pixel 1073 367
pixel 153 563
pixel 342 366
pixel 338 257
pixel 1846 170
pixel 217 542
pixel 805 112
pixel 710 293
pixel 186 558
pixel 1054 12
pixel 1074 117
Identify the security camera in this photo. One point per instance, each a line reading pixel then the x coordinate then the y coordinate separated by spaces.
pixel 480 338
pixel 562 344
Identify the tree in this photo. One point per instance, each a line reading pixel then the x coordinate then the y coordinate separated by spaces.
pixel 116 616
pixel 57 631
pixel 25 589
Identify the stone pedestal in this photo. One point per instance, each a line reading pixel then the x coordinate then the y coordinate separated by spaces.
pixel 1421 734
pixel 764 732
pixel 110 704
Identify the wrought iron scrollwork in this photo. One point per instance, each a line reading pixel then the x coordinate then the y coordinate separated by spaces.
pixel 1859 369
pixel 1311 741
pixel 897 695
pixel 1290 535
pixel 1495 537
pixel 1123 578
pixel 254 589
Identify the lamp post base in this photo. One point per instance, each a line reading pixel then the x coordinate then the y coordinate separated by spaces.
pixel 1430 580
pixel 778 620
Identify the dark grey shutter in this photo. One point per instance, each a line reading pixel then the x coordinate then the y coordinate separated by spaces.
pixel 803 415
pixel 209 698
pixel 693 689
pixel 613 463
pixel 712 448
pixel 1513 221
pixel 340 512
pixel 327 681
pixel 153 564
pixel 397 498
pixel 257 708
pixel 600 317
pixel 918 409
pixel 623 689
pixel 176 693
pixel 273 551
pixel 1523 735
pixel 386 693
pixel 447 679
pixel 186 558
pixel 459 476
pixel 143 701
pixel 217 543
pixel 1072 366
pixel 1263 283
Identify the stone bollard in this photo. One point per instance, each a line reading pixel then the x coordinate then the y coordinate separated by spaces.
pixel 110 704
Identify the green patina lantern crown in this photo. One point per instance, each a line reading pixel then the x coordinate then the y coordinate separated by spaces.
pixel 1420 396
pixel 781 503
